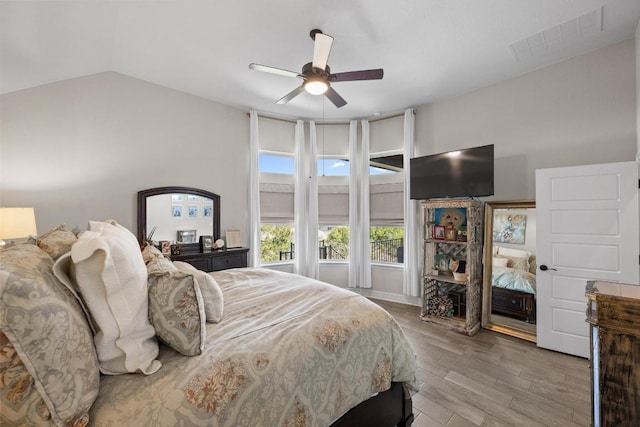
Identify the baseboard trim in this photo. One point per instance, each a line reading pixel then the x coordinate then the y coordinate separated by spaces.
pixel 388 296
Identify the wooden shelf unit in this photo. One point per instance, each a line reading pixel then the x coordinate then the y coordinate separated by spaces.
pixel 448 302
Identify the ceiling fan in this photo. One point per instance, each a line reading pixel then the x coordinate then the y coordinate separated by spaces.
pixel 317 74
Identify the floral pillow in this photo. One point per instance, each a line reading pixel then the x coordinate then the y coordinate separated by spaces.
pixel 57 242
pixel 176 311
pixel 176 306
pixel 52 340
pixel 211 292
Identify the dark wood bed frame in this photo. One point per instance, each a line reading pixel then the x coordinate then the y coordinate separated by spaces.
pixel 516 304
pixel 386 409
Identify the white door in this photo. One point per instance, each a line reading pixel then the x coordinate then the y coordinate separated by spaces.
pixel 588 229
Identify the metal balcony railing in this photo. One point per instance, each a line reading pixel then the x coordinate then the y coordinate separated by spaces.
pixel 390 250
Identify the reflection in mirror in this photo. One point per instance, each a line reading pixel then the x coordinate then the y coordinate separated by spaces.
pixel 175 216
pixel 509 283
pixel 178 214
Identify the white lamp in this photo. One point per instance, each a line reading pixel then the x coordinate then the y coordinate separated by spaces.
pixel 17 223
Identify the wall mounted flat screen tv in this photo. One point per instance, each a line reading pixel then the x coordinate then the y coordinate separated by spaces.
pixel 462 173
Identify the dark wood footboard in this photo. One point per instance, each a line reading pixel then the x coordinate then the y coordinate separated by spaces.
pixel 387 409
pixel 516 304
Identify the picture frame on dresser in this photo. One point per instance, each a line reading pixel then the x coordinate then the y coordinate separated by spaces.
pixel 206 242
pixel 234 239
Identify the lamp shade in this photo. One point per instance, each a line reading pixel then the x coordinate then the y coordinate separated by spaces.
pixel 17 223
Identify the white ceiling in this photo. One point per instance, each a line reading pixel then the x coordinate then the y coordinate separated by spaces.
pixel 429 49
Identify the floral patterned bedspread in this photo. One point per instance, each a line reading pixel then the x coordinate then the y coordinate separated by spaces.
pixel 289 351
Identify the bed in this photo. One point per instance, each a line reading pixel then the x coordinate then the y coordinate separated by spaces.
pixel 513 284
pixel 288 351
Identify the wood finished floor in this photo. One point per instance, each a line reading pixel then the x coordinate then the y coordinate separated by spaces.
pixel 492 379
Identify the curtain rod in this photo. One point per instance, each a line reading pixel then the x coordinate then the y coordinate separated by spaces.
pixel 330 123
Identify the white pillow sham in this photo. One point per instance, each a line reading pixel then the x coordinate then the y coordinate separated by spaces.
pixel 111 278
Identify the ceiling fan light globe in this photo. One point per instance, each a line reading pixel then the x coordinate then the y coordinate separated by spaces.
pixel 316 87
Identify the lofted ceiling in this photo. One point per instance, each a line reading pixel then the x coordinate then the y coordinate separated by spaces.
pixel 429 49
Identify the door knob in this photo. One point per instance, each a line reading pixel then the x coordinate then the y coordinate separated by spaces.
pixel 545 268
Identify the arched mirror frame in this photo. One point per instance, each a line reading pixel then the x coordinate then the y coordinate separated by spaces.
pixel 142 211
pixel 486 321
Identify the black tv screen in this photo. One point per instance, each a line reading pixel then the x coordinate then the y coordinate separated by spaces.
pixel 462 173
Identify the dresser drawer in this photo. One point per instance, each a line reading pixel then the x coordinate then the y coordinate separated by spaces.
pixel 229 261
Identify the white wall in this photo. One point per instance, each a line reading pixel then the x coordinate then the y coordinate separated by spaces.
pixel 81 149
pixel 580 111
pixel 637 40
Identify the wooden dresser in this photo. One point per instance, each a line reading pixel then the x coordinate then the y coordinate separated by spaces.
pixel 613 312
pixel 215 260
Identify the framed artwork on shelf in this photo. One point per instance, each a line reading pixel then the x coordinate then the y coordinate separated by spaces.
pixel 206 242
pixel 450 233
pixel 234 239
pixel 438 232
pixel 165 247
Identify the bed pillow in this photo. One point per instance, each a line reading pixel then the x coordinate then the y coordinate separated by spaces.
pixel 513 252
pixel 211 291
pixel 149 252
pixel 516 263
pixel 52 340
pixel 176 311
pixel 500 262
pixel 111 277
pixel 57 242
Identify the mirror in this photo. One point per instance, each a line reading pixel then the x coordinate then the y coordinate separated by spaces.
pixel 509 274
pixel 179 214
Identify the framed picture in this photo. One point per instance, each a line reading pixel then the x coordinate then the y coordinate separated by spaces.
pixel 234 240
pixel 192 211
pixel 192 198
pixel 186 236
pixel 207 211
pixel 450 217
pixel 438 232
pixel 176 211
pixel 509 228
pixel 450 233
pixel 206 242
pixel 165 247
pixel 177 197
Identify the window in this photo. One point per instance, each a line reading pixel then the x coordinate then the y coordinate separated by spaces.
pixel 276 163
pixel 387 244
pixel 276 243
pixel 334 242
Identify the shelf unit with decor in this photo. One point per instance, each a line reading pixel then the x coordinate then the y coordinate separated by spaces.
pixel 452 301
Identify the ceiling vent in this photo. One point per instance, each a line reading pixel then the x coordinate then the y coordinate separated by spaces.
pixel 559 36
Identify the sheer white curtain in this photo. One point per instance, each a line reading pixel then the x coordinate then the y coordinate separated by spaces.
pixel 254 191
pixel 363 172
pixel 354 207
pixel 306 204
pixel 359 253
pixel 411 283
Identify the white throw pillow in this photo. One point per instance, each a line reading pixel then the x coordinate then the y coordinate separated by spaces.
pixel 211 292
pixel 111 278
pixel 500 262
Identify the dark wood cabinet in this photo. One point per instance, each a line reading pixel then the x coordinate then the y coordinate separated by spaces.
pixel 613 313
pixel 215 260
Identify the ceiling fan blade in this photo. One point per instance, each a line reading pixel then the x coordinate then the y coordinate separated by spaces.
pixel 288 97
pixel 321 50
pixel 357 75
pixel 274 70
pixel 334 97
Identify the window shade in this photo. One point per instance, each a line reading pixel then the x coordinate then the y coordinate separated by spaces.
pixel 386 203
pixel 276 203
pixel 333 204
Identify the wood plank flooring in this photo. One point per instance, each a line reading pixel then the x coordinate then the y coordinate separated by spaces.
pixel 491 379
